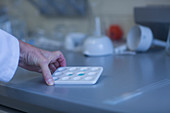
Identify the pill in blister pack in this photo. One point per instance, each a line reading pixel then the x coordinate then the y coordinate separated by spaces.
pixel 77 75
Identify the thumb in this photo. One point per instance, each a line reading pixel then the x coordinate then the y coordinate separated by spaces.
pixel 47 74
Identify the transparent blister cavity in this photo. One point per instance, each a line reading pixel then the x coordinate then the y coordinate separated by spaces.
pixel 77 75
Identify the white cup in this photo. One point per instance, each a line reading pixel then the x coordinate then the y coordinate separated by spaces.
pixel 140 38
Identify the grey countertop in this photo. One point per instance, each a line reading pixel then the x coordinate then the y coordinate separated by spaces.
pixel 129 83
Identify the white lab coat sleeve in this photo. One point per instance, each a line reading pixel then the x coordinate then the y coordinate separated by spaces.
pixel 9 56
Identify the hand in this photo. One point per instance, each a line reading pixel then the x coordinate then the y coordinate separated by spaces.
pixel 45 62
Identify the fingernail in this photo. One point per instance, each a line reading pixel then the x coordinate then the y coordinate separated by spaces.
pixel 50 82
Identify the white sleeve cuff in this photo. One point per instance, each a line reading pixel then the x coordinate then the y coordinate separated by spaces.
pixel 9 56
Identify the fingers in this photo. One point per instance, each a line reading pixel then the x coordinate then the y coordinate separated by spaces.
pixel 61 60
pixel 52 67
pixel 46 74
pixel 56 64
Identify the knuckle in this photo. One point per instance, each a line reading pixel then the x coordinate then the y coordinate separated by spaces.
pixel 58 53
pixel 44 61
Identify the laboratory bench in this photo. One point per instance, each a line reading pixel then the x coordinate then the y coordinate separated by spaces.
pixel 129 84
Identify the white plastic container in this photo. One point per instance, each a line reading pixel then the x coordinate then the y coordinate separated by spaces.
pixel 140 38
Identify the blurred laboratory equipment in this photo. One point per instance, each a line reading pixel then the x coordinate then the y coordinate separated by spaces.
pixel 98 45
pixel 12 25
pixel 74 41
pixel 140 38
pixel 123 50
pixel 59 33
pixel 168 43
pixel 41 39
pixel 61 7
pixel 19 29
pixel 115 32
pixel 156 17
pixel 5 23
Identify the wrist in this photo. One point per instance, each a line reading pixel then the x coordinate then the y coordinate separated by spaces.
pixel 24 48
pixel 21 46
